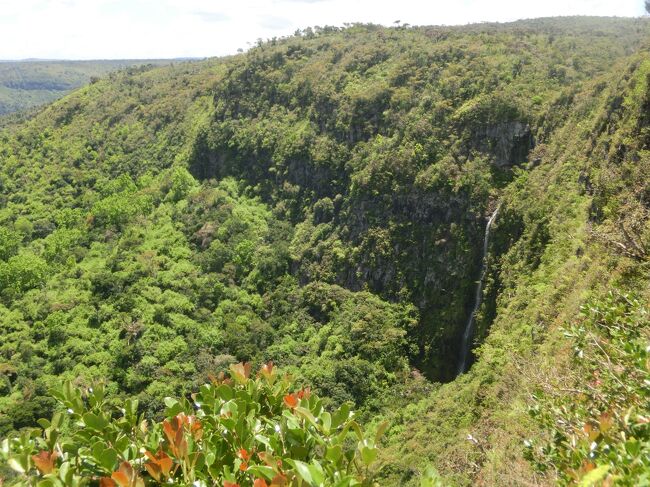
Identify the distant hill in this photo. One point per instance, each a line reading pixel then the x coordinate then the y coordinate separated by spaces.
pixel 30 83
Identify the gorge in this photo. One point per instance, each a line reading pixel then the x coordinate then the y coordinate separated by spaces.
pixel 266 242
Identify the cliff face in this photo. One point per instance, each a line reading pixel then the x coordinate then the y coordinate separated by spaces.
pixel 508 143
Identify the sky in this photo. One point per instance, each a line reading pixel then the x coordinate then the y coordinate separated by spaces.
pixel 118 29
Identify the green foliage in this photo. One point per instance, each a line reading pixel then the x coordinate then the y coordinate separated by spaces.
pixel 392 125
pixel 599 425
pixel 182 183
pixel 121 203
pixel 320 201
pixel 9 243
pixel 21 273
pixel 237 431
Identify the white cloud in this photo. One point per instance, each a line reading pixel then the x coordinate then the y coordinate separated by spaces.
pixel 91 29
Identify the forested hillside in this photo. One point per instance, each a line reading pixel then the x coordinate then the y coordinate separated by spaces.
pixel 320 202
pixel 28 84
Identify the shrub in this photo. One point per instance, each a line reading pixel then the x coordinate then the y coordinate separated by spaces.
pixel 600 425
pixel 237 431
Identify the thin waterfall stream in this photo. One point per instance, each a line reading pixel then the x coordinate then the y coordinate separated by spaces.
pixel 468 335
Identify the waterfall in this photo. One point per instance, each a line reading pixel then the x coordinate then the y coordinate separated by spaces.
pixel 466 345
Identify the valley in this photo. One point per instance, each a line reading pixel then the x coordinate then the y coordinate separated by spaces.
pixel 446 229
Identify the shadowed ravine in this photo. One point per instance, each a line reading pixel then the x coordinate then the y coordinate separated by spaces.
pixel 468 334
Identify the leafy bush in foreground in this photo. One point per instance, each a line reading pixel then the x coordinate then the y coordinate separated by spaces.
pixel 601 426
pixel 237 431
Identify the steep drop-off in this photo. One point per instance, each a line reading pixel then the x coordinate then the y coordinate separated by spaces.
pixel 390 145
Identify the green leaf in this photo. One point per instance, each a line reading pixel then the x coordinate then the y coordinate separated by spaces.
pixel 265 441
pixel 334 453
pixel 231 408
pixel 368 455
pixel 57 420
pixel 632 447
pixel 341 415
pixel 381 430
pixel 96 396
pixel 95 422
pixel 225 392
pixel 108 459
pixel 317 474
pixel 305 413
pixel 49 482
pixel 64 470
pixel 262 471
pixel 430 478
pixel 15 465
pixel 131 407
pixel 303 470
pixel 326 419
pixel 594 476
pixel 357 429
pixel 170 402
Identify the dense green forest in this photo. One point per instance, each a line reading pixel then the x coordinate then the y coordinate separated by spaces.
pixel 320 202
pixel 28 84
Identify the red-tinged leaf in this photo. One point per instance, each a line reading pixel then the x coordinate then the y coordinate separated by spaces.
pixel 158 465
pixel 305 393
pixel 174 431
pixel 291 401
pixel 244 455
pixel 154 470
pixel 220 379
pixel 278 481
pixel 260 483
pixel 587 466
pixel 179 438
pixel 121 479
pixel 126 476
pixel 229 484
pixel 267 370
pixel 44 461
pixel 241 371
pixel 243 467
pixel 106 482
pixel 196 428
pixel 270 460
pixel 591 432
pixel 169 431
pixel 165 463
pixel 605 422
pixel 126 469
